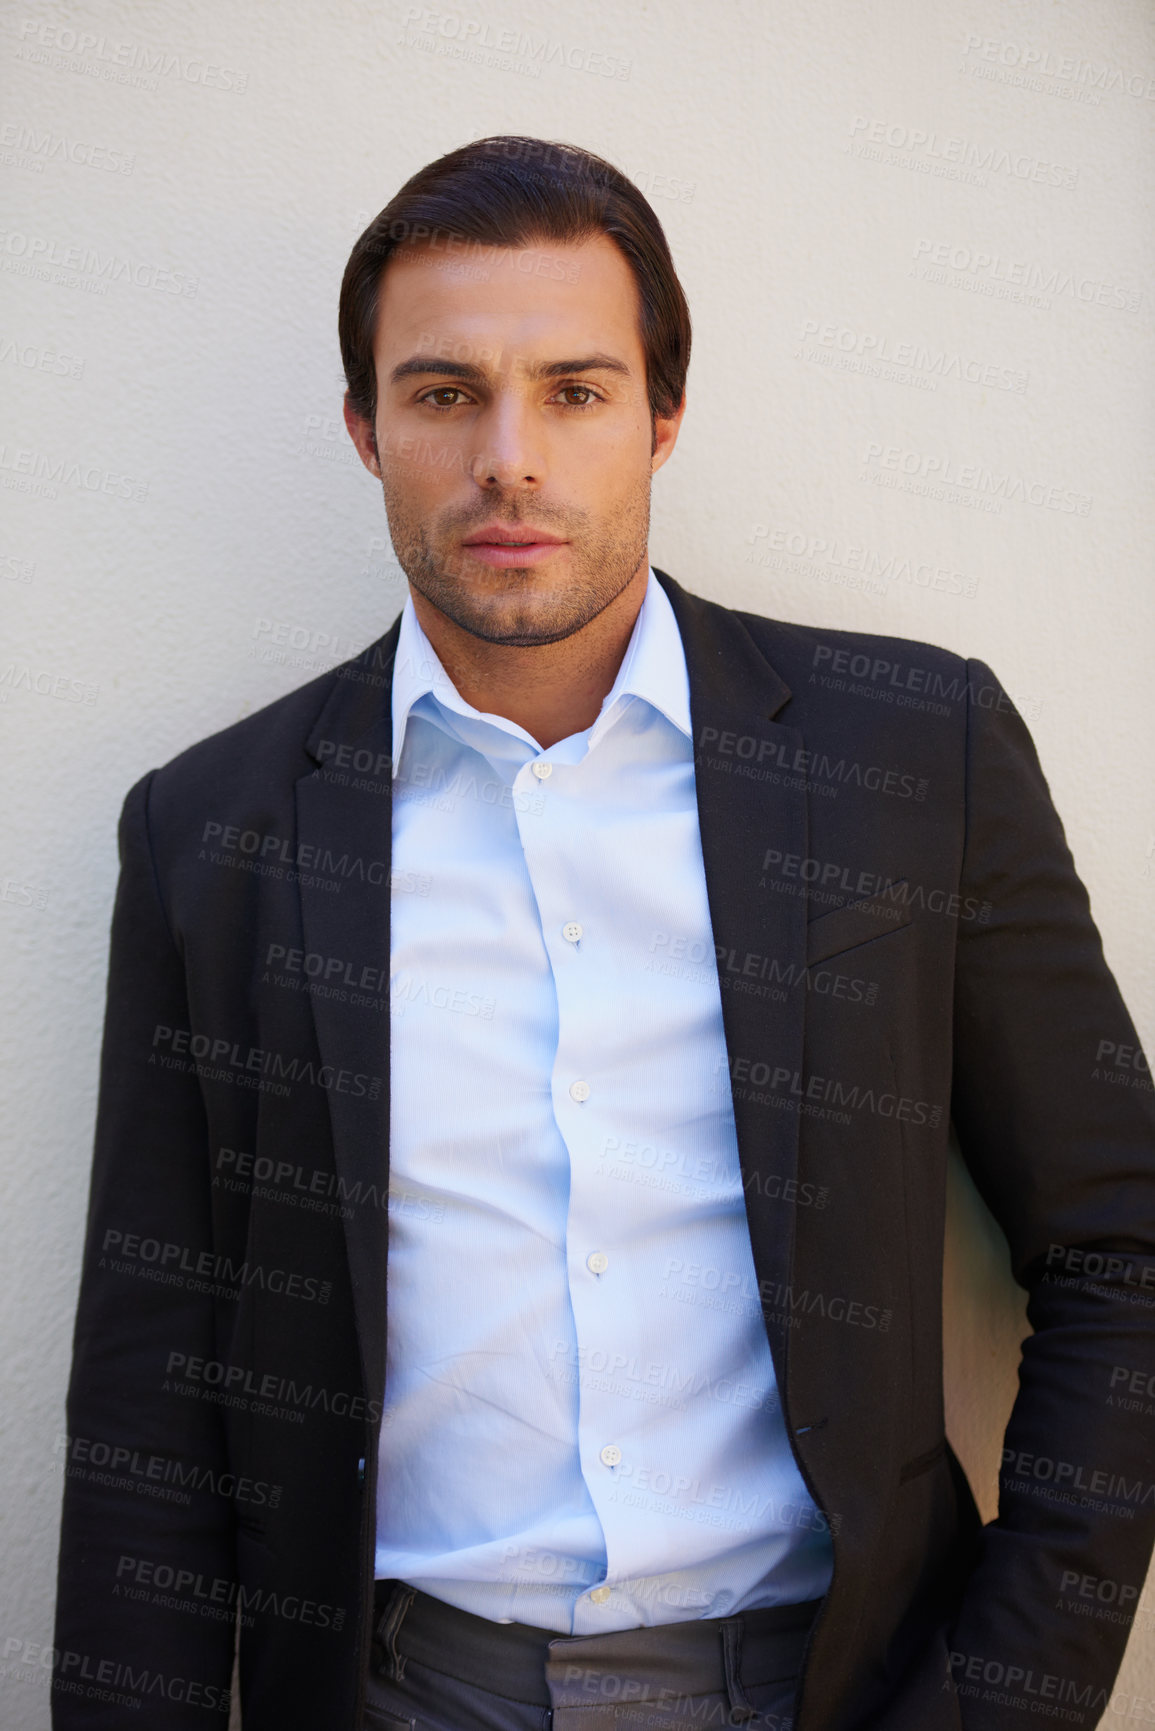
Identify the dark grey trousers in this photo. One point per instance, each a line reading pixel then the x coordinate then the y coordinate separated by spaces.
pixel 440 1669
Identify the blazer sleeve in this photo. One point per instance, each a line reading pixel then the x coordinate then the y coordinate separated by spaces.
pixel 145 1604
pixel 1054 1108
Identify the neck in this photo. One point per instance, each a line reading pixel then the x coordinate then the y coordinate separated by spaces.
pixel 550 689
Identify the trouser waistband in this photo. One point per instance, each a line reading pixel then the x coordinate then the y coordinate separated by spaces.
pixel 721 1655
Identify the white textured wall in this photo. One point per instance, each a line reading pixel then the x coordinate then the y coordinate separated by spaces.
pixel 233 152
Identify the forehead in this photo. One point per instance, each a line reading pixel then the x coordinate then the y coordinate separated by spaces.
pixel 537 301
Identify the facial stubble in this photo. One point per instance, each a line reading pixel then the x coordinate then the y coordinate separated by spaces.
pixel 521 606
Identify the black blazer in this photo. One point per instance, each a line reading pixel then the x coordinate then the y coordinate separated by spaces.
pixel 902 941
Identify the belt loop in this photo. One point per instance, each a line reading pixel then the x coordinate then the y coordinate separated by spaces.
pixel 388 1628
pixel 741 1707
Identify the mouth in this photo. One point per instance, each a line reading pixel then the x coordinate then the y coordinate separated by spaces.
pixel 501 546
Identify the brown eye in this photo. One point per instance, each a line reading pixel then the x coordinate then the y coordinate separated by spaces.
pixel 582 391
pixel 440 393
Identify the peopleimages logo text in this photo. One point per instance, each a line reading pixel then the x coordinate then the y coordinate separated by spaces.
pixel 221 1051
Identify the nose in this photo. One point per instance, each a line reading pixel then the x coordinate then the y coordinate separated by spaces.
pixel 511 445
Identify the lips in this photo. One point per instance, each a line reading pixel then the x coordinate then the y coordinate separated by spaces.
pixel 522 535
pixel 507 545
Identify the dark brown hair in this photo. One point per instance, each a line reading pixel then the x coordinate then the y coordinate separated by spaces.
pixel 508 192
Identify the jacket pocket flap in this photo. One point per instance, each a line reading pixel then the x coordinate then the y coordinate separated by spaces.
pixel 857 923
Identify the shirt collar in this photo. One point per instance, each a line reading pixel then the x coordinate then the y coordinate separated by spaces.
pixel 652 668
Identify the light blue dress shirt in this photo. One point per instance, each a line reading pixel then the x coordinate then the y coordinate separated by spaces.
pixel 582 1429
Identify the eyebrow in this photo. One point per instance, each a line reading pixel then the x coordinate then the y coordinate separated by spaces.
pixel 420 365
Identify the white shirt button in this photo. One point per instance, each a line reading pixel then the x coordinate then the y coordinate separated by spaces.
pixel 579 1091
pixel 599 1595
pixel 543 771
pixel 571 932
pixel 597 1262
pixel 611 1455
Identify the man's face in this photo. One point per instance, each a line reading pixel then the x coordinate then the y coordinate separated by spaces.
pixel 514 410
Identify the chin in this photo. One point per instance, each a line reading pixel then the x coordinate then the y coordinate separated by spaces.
pixel 520 631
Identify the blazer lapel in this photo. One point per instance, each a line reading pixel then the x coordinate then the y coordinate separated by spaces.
pixel 750 801
pixel 344 815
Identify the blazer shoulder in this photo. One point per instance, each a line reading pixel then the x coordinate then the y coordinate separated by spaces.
pixel 798 651
pixel 256 761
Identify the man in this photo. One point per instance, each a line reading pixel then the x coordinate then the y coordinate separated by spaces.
pixel 628 958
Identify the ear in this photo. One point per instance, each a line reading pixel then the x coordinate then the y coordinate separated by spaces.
pixel 363 435
pixel 666 436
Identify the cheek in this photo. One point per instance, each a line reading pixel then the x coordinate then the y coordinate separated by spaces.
pixel 626 477
pixel 615 458
pixel 419 468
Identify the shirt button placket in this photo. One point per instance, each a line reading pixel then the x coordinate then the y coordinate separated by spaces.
pixel 551 838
